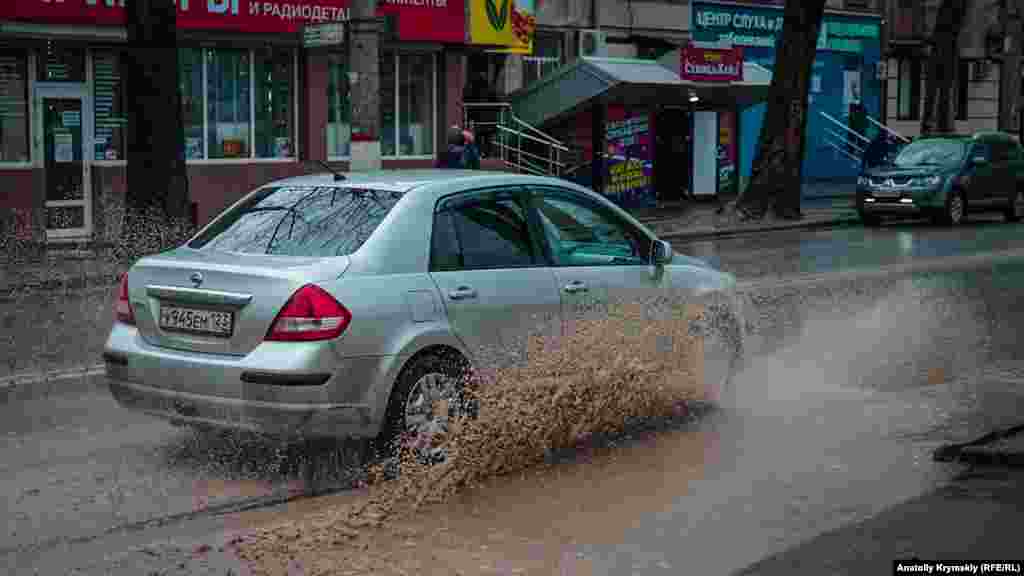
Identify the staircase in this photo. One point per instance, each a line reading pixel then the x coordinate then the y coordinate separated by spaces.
pixel 521 147
pixel 849 143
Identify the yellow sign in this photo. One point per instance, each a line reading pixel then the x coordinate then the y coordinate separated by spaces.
pixel 508 24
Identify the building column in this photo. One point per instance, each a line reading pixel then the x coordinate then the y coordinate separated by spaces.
pixel 598 114
pixel 364 62
pixel 314 109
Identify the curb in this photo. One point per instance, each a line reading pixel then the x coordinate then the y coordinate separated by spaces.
pixel 735 232
pixel 33 385
pixel 971 452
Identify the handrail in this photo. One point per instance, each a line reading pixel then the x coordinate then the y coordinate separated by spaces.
pixel 845 140
pixel 508 130
pixel 845 127
pixel 551 139
pixel 889 130
pixel 485 104
pixel 844 151
pixel 543 159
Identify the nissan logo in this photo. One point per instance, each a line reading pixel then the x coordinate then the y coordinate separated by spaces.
pixel 196 278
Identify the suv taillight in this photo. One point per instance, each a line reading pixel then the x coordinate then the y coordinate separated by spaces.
pixel 123 308
pixel 310 314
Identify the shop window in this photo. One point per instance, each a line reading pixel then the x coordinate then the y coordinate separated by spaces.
pixel 227 94
pixel 339 107
pixel 407 95
pixel 275 106
pixel 908 89
pixel 190 89
pixel 14 137
pixel 59 62
pixel 109 106
pixel 546 57
pixel 416 109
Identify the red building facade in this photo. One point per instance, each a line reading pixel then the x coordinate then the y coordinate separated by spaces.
pixel 257 105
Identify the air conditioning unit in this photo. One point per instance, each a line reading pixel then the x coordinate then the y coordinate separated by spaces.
pixel 592 43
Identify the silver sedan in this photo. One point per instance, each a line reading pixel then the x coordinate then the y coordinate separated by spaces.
pixel 323 306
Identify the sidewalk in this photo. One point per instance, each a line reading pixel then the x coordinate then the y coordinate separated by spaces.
pixel 694 221
pixel 59 270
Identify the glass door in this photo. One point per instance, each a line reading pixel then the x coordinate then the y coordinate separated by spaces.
pixel 66 133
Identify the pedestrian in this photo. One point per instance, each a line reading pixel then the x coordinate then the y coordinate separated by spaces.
pixel 454 156
pixel 471 151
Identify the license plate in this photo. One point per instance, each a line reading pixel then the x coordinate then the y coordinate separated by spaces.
pixel 197 321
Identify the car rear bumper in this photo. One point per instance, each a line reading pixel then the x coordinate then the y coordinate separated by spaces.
pixel 284 420
pixel 282 389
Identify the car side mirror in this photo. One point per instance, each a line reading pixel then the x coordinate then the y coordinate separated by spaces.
pixel 661 253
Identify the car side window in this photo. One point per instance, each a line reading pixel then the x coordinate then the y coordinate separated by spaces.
pixel 582 233
pixel 482 231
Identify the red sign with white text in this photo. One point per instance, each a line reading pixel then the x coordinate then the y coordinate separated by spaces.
pixel 418 20
pixel 711 64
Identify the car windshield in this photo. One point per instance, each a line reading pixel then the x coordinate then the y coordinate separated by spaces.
pixel 317 221
pixel 931 153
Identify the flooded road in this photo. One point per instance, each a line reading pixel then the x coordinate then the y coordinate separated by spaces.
pixel 870 349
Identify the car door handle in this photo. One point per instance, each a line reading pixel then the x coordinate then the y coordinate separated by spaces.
pixel 575 287
pixel 462 293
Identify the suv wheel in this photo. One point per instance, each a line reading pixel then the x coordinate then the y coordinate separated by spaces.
pixel 956 208
pixel 1015 209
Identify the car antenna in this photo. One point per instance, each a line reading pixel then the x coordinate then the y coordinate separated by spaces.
pixel 338 176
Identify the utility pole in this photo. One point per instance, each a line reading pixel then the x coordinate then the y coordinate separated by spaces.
pixel 1009 69
pixel 364 64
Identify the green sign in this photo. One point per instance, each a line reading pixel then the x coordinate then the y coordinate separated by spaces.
pixel 759 26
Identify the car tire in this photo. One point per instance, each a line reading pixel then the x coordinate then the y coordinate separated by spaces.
pixel 955 212
pixel 447 367
pixel 1015 207
pixel 870 220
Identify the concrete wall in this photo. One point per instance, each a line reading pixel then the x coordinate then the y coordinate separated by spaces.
pixel 982 103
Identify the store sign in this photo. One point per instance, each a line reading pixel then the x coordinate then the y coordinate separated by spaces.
pixel 323 34
pixel 523 20
pixel 510 24
pixel 711 64
pixel 760 26
pixel 418 20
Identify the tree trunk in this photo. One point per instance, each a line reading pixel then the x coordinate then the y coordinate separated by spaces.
pixel 157 181
pixel 777 170
pixel 364 61
pixel 943 66
pixel 1009 70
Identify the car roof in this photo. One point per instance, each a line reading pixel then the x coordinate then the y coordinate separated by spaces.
pixel 441 181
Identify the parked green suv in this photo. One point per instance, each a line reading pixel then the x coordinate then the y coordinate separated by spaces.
pixel 946 178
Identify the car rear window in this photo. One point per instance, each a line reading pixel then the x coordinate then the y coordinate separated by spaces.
pixel 315 221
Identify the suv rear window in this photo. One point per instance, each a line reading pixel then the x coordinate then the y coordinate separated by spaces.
pixel 315 221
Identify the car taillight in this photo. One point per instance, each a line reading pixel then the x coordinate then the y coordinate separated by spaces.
pixel 310 314
pixel 123 308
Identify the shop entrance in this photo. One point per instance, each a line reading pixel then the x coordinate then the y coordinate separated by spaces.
pixel 672 154
pixel 65 124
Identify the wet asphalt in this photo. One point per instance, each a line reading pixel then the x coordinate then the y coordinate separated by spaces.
pixel 870 348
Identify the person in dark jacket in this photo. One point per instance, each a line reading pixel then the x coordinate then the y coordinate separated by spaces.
pixel 454 156
pixel 470 150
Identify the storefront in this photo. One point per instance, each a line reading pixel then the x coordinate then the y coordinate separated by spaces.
pixel 256 104
pixel 844 78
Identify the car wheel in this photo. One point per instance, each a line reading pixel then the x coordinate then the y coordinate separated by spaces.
pixel 870 219
pixel 956 208
pixel 1015 209
pixel 429 394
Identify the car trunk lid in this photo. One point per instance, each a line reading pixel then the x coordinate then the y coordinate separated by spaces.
pixel 218 302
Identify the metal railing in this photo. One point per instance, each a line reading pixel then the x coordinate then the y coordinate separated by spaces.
pixel 520 146
pixel 850 143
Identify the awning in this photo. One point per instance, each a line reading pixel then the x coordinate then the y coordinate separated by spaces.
pixel 632 82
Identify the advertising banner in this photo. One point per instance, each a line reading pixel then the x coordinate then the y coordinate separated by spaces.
pixel 711 64
pixel 524 25
pixel 630 160
pixel 760 26
pixel 726 151
pixel 418 20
